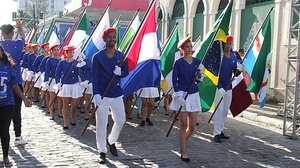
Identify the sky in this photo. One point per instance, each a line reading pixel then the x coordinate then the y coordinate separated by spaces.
pixel 6 9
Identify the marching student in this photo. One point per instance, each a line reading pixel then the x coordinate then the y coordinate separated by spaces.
pixel 229 66
pixel 42 67
pixel 86 85
pixel 67 82
pixel 14 49
pixel 184 71
pixel 9 86
pixel 49 81
pixel 39 77
pixel 24 64
pixel 30 73
pixel 148 95
pixel 106 64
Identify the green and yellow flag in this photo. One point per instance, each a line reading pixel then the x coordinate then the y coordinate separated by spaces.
pixel 212 57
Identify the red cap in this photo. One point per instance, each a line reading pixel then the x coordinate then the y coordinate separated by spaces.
pixel 55 45
pixel 34 45
pixel 108 30
pixel 183 41
pixel 26 44
pixel 229 39
pixel 44 44
pixel 69 48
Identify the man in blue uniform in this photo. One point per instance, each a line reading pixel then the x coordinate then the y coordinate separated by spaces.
pixel 14 48
pixel 228 68
pixel 108 65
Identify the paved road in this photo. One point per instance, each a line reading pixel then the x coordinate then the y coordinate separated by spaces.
pixel 251 144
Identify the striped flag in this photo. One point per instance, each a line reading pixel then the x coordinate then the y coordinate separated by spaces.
pixel 143 56
pixel 95 42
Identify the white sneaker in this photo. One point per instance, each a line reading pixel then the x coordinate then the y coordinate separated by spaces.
pixel 20 141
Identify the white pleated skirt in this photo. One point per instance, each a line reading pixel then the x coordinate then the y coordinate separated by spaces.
pixel 30 79
pixel 40 81
pixel 70 90
pixel 24 74
pixel 193 103
pixel 89 90
pixel 50 89
pixel 149 92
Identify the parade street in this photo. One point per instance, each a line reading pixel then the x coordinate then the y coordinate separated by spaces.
pixel 251 144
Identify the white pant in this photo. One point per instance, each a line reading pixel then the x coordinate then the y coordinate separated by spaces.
pixel 222 111
pixel 118 116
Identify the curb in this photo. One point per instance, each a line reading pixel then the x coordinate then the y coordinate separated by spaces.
pixel 263 119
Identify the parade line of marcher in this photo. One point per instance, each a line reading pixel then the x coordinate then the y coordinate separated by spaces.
pixel 63 82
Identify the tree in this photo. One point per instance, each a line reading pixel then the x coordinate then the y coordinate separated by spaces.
pixel 30 16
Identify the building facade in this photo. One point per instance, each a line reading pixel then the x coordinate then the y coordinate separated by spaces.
pixel 196 17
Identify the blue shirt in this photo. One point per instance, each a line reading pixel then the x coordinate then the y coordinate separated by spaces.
pixel 51 65
pixel 15 48
pixel 25 60
pixel 228 67
pixel 42 66
pixel 30 60
pixel 86 71
pixel 8 79
pixel 184 74
pixel 67 72
pixel 102 73
pixel 37 63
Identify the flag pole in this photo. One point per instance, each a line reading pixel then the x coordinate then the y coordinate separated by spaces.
pixel 197 73
pixel 121 62
pixel 126 32
pixel 231 80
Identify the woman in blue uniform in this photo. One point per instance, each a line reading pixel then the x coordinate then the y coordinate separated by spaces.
pixel 49 81
pixel 8 85
pixel 30 74
pixel 67 82
pixel 86 85
pixel 36 69
pixel 184 71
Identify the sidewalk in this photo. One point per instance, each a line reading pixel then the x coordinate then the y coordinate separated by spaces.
pixel 267 115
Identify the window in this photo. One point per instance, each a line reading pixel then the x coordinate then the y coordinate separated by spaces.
pixel 223 4
pixel 178 8
pixel 200 7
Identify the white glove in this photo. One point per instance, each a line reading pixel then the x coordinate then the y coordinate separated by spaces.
pixel 98 99
pixel 222 92
pixel 57 86
pixel 201 67
pixel 80 64
pixel 117 70
pixel 84 84
pixel 239 67
pixel 45 85
pixel 200 79
pixel 181 101
pixel 38 74
pixel 178 96
pixel 30 75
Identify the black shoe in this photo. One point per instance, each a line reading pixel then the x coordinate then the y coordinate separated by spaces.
pixel 51 118
pixel 60 116
pixel 217 138
pixel 112 149
pixel 102 158
pixel 142 123
pixel 185 159
pixel 73 124
pixel 149 122
pixel 65 127
pixel 223 136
